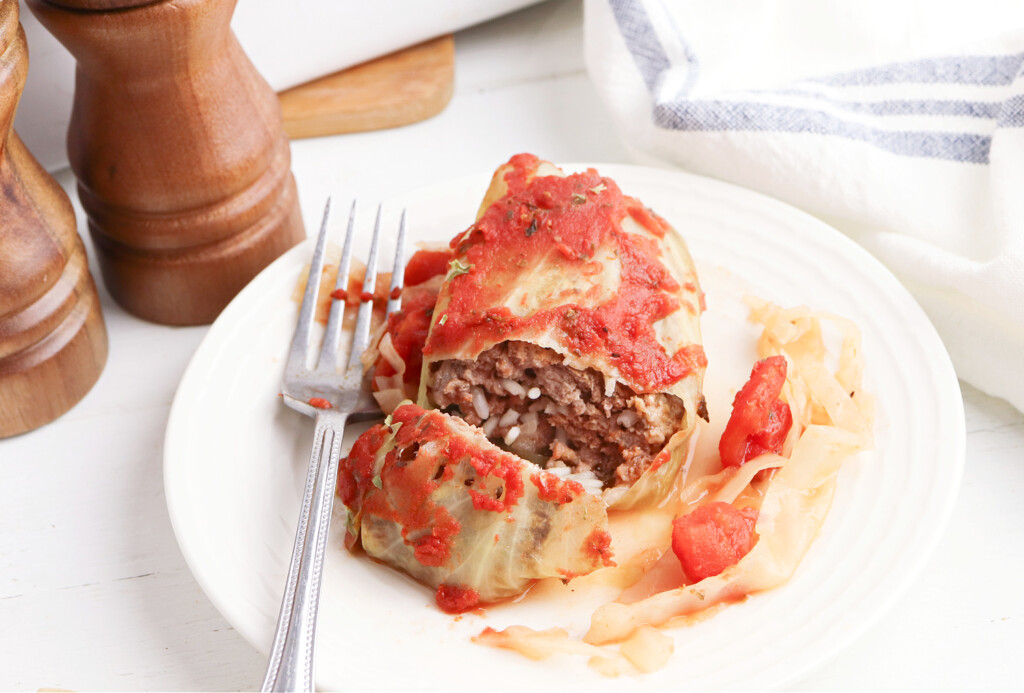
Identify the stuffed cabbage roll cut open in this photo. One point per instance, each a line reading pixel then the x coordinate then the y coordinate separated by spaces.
pixel 568 329
pixel 430 495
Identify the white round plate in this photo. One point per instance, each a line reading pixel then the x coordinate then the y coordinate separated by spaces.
pixel 235 458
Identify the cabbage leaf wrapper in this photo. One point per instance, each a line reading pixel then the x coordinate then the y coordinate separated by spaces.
pixel 429 495
pixel 568 327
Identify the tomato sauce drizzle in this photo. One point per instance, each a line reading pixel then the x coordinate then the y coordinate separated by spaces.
pixel 574 216
pixel 455 600
pixel 425 264
pixel 489 463
pixel 599 545
pixel 555 490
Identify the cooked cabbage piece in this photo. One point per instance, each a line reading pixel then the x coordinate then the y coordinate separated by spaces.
pixel 428 494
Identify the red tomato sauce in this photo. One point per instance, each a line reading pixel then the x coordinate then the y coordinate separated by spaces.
pixel 555 490
pixel 599 545
pixel 426 264
pixel 353 292
pixel 357 468
pixel 408 328
pixel 409 325
pixel 455 600
pixel 495 463
pixel 574 216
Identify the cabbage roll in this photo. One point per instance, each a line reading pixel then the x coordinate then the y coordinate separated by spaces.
pixel 430 495
pixel 568 330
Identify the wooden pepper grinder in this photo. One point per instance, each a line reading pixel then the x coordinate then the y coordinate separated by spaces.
pixel 53 343
pixel 183 165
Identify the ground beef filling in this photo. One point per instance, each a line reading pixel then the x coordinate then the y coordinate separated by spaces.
pixel 524 397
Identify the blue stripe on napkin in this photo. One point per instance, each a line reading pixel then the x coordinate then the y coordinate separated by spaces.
pixel 695 116
pixel 888 107
pixel 641 39
pixel 1012 114
pixel 987 70
pixel 675 111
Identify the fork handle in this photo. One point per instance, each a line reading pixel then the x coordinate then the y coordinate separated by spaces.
pixel 291 657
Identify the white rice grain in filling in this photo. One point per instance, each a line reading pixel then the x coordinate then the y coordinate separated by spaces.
pixel 489 426
pixel 512 434
pixel 513 387
pixel 508 418
pixel 628 417
pixel 480 404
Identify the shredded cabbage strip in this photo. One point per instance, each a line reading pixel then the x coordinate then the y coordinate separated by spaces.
pixel 832 420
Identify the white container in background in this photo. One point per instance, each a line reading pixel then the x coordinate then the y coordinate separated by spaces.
pixel 289 46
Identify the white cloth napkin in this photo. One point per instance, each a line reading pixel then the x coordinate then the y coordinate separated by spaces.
pixel 901 124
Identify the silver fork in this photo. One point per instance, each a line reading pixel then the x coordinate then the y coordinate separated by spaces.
pixel 291 657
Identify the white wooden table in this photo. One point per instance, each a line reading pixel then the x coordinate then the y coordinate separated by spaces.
pixel 94 592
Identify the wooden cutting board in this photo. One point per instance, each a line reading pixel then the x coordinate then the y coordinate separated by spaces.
pixel 405 87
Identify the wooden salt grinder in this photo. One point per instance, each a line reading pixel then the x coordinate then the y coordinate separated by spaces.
pixel 53 342
pixel 183 166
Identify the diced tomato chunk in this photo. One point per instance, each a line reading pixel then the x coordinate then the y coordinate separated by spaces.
pixel 712 538
pixel 759 421
pixel 773 435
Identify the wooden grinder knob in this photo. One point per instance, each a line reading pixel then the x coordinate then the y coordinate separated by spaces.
pixel 53 343
pixel 182 162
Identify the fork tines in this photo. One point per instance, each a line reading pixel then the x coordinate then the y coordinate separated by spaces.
pixel 361 334
pixel 329 352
